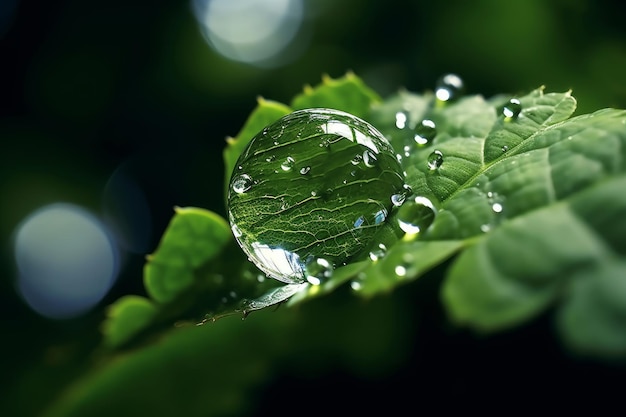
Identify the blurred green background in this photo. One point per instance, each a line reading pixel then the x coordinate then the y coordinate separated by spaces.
pixel 122 108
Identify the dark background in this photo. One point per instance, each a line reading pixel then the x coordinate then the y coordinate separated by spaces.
pixel 91 89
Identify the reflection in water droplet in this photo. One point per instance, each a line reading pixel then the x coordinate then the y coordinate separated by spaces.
pixel 449 87
pixel 288 164
pixel 416 215
pixel 435 159
pixel 399 198
pixel 512 109
pixel 425 131
pixel 318 271
pixel 242 183
pixel 369 159
pixel 379 252
pixel 305 170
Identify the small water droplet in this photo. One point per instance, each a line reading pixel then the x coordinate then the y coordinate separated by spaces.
pixel 449 87
pixel 369 159
pixel 378 252
pixel 356 285
pixel 400 270
pixel 399 198
pixel 425 131
pixel 242 183
pixel 270 158
pixel 415 215
pixel 305 170
pixel 435 159
pixel 497 207
pixel 288 164
pixel 401 119
pixel 318 271
pixel 485 228
pixel 357 159
pixel 512 109
pixel 505 148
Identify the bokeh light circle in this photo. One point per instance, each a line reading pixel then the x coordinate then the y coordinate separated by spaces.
pixel 66 259
pixel 249 31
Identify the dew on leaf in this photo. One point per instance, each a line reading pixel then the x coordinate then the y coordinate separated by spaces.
pixel 318 271
pixel 378 252
pixel 435 159
pixel 288 164
pixel 415 215
pixel 241 183
pixel 512 109
pixel 335 227
pixel 401 120
pixel 369 158
pixel 449 87
pixel 425 131
pixel 497 207
pixel 505 149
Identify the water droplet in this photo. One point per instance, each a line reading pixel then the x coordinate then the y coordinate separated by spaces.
pixel 401 119
pixel 288 164
pixel 497 207
pixel 399 198
pixel 485 228
pixel 512 109
pixel 415 215
pixel 400 270
pixel 425 131
pixel 242 183
pixel 435 159
pixel 505 148
pixel 449 87
pixel 369 159
pixel 313 223
pixel 379 252
pixel 318 271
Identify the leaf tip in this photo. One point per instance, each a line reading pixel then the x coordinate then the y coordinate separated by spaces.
pixel 307 89
pixel 230 140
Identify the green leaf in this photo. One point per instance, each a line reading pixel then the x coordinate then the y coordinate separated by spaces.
pixel 193 238
pixel 348 94
pixel 126 317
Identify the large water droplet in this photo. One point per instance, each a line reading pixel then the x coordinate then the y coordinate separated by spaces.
pixel 435 159
pixel 416 214
pixel 512 109
pixel 281 226
pixel 449 87
pixel 241 183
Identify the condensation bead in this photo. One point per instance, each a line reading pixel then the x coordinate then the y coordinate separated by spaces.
pixel 324 194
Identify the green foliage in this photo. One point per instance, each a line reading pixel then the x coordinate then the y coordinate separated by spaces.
pixel 530 217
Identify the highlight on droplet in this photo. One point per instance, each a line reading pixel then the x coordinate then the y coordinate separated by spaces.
pixel 66 259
